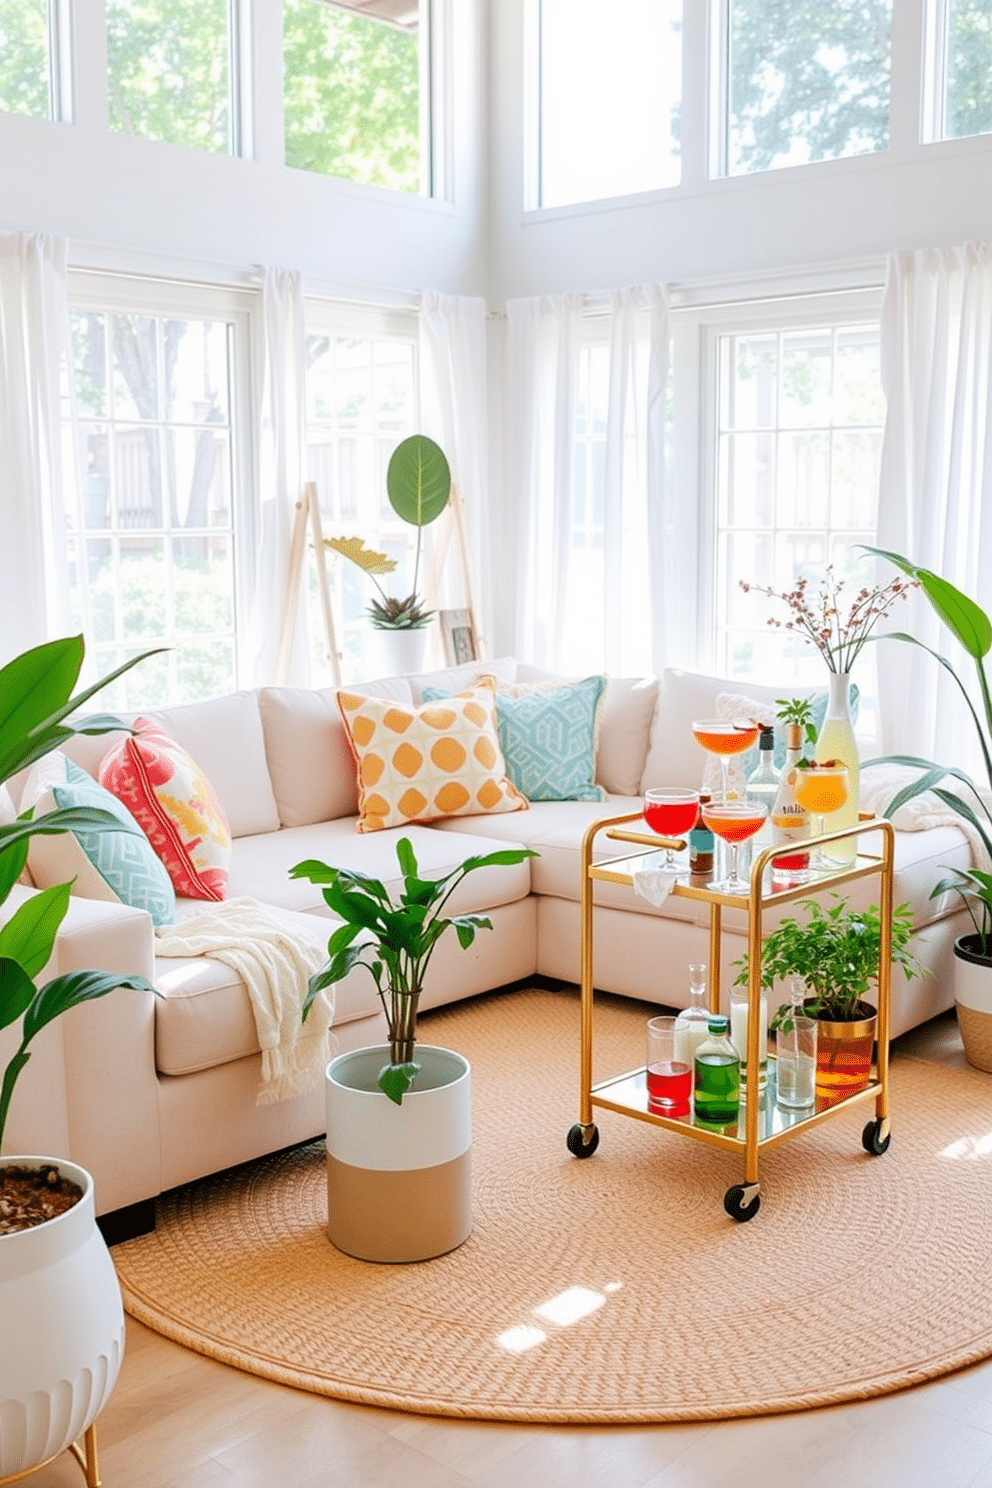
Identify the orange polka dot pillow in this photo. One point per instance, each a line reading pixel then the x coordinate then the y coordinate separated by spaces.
pixel 421 763
pixel 174 802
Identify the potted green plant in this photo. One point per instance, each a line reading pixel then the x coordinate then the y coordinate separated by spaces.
pixel 53 1261
pixel 972 628
pixel 836 953
pixel 398 1169
pixel 418 483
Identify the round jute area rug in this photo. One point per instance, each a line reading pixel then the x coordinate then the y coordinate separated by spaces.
pixel 613 1288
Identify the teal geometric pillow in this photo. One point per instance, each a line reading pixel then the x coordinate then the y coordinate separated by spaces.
pixel 119 866
pixel 548 738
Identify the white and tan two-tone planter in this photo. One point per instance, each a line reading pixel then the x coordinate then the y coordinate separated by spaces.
pixel 973 999
pixel 399 1178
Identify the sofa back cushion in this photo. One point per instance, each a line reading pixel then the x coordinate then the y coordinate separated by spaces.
pixel 224 737
pixel 457 678
pixel 624 727
pixel 674 757
pixel 313 771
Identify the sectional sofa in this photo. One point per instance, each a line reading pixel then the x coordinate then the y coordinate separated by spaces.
pixel 151 1092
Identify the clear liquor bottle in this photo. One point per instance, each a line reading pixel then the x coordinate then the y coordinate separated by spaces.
pixel 762 785
pixel 692 1025
pixel 790 820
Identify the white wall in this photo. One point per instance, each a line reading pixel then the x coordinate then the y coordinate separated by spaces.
pixel 112 192
pixel 834 212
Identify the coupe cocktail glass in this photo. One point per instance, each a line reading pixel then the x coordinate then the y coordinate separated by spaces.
pixel 820 789
pixel 725 738
pixel 670 813
pixel 735 820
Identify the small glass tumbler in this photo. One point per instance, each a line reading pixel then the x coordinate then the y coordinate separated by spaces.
pixel 669 1080
pixel 795 1051
pixel 739 1015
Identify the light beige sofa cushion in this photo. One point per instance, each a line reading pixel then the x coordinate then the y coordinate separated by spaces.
pixel 224 737
pixel 313 770
pixel 674 757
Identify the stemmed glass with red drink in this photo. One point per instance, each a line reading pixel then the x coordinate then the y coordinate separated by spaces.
pixel 671 812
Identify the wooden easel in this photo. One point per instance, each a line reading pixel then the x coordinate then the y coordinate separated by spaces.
pixel 308 516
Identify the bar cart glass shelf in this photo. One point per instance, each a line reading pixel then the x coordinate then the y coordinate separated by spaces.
pixel 760 1121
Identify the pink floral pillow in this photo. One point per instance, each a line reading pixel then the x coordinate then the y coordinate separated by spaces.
pixel 175 804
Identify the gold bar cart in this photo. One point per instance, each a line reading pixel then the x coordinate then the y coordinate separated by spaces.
pixel 761 1123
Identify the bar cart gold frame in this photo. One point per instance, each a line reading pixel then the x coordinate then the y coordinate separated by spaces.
pixel 626 1094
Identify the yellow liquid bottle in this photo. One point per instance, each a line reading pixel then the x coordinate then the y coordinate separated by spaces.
pixel 837 741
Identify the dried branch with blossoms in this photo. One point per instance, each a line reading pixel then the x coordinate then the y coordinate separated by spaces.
pixel 818 616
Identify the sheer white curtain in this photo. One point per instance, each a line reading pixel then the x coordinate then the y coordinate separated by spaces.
pixel 584 480
pixel 935 495
pixel 34 338
pixel 454 413
pixel 281 422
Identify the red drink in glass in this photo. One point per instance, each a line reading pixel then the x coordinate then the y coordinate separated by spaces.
pixel 669 1083
pixel 671 818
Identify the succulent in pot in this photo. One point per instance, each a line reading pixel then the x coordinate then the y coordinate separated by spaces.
pixel 418 483
pixel 394 940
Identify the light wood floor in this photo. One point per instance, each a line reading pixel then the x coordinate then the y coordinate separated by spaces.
pixel 178 1419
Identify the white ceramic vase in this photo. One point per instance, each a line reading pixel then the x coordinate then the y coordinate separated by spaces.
pixel 399 1177
pixel 63 1329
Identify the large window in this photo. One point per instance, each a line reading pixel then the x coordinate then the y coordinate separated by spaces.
pixel 356 91
pixel 153 416
pixel 797 445
pixel 804 81
pixel 35 69
pixel 361 401
pixel 961 67
pixel 610 89
pixel 169 72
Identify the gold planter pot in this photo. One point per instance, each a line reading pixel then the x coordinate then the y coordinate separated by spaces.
pixel 844 1052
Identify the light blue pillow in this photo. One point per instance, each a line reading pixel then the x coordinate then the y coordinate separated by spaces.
pixel 124 861
pixel 548 738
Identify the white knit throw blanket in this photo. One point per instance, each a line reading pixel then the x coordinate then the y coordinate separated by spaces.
pixel 880 783
pixel 275 962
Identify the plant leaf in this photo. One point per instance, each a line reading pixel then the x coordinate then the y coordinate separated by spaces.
pixel 70 991
pixel 17 991
pixel 367 559
pixel 33 686
pixel 407 858
pixel 418 480
pixel 395 1080
pixel 13 860
pixel 29 934
pixel 965 619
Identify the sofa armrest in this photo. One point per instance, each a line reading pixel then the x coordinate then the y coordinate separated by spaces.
pixel 89 1091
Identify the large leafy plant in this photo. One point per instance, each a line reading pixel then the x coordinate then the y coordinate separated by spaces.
pixel 972 628
pixel 394 941
pixel 418 483
pixel 36 700
pixel 836 953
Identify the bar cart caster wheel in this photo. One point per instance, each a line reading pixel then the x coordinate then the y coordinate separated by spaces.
pixel 582 1141
pixel 742 1201
pixel 876 1137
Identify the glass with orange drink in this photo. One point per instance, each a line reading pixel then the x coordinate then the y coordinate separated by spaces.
pixel 821 787
pixel 735 819
pixel 725 738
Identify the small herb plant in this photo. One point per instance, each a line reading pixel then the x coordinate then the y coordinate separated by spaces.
pixel 799 711
pixel 835 951
pixel 398 940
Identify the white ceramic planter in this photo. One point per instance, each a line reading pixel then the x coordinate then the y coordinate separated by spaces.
pixel 973 999
pixel 63 1329
pixel 398 653
pixel 399 1178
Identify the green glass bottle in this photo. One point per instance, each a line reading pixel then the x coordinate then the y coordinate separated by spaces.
pixel 717 1083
